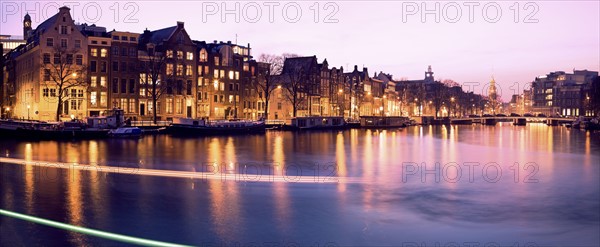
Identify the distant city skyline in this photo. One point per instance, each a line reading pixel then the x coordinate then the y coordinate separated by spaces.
pixel 383 36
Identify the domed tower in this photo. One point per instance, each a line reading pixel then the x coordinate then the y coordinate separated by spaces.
pixel 26 26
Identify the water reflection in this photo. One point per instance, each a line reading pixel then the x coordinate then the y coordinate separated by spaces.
pixel 375 206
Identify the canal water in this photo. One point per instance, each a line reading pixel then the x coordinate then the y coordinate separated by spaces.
pixel 419 186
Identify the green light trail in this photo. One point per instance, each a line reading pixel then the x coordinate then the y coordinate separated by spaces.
pixel 87 231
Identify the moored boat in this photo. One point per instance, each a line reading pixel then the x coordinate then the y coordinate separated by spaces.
pixel 29 129
pixel 125 132
pixel 317 123
pixel 189 126
pixel 383 122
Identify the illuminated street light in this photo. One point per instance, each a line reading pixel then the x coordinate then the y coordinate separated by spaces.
pixel 278 86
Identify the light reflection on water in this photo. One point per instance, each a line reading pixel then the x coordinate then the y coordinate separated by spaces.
pixel 376 208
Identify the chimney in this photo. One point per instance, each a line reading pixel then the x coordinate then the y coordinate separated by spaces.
pixel 215 41
pixel 180 24
pixel 355 67
pixel 229 42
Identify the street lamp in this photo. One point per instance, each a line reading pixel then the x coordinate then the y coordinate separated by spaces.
pixel 28 107
pixel 452 107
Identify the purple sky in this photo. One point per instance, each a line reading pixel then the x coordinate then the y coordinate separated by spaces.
pixel 566 35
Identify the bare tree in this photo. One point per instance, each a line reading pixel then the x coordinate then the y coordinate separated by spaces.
pixel 417 94
pixel 450 83
pixel 63 71
pixel 267 77
pixel 294 83
pixel 152 66
pixel 439 96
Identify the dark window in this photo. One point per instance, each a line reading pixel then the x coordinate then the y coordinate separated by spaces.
pixel 188 87
pixel 46 75
pixel 69 58
pixel 93 66
pixel 132 52
pixel 115 85
pixel 215 98
pixel 115 66
pixel 50 42
pixel 124 51
pixel 115 37
pixel 123 85
pixel 78 43
pixel 179 87
pixel 103 67
pixel 63 43
pixel 131 86
pixel 56 58
pixel 115 50
pixel 123 66
pixel 124 38
pixel 79 59
pixel 46 58
pixel 132 39
pixel 169 87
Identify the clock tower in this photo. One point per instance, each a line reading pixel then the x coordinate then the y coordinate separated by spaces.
pixel 26 26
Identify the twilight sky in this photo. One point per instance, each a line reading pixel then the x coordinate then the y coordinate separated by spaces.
pixel 387 36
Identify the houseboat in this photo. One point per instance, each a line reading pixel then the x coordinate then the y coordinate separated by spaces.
pixel 189 126
pixel 125 132
pixel 383 122
pixel 27 129
pixel 317 123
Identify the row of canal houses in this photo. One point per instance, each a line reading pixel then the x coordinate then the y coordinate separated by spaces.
pixel 68 70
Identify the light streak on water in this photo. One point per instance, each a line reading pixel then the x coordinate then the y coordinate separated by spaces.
pixel 238 177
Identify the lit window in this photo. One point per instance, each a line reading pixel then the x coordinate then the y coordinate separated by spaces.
pixel 93 101
pixel 169 53
pixel 94 52
pixel 103 52
pixel 103 81
pixel 203 56
pixel 179 55
pixel 169 106
pixel 231 74
pixel 169 69
pixel 179 70
pixel 188 70
pixel 94 81
pixel 190 56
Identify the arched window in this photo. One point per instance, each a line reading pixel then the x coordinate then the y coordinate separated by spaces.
pixel 203 55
